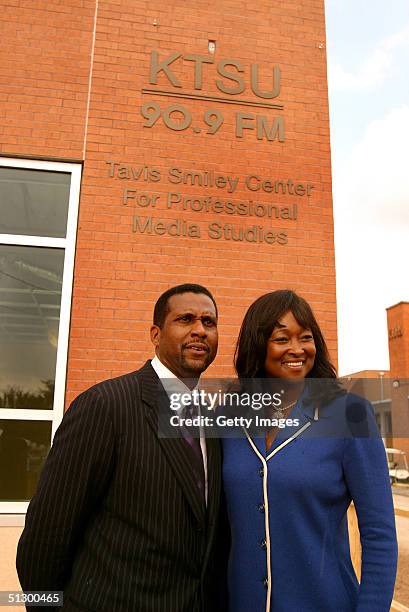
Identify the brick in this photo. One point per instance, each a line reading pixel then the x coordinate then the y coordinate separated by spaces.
pixel 119 273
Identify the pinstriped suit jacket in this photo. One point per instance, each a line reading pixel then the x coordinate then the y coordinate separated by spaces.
pixel 117 521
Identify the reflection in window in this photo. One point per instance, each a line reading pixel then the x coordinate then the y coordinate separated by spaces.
pixel 34 202
pixel 30 296
pixel 24 446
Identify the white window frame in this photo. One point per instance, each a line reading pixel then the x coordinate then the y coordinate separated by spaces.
pixel 68 244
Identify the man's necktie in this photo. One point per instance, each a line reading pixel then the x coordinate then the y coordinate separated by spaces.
pixel 191 435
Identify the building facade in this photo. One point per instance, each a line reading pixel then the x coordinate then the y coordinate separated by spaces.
pixel 398 340
pixel 389 390
pixel 144 146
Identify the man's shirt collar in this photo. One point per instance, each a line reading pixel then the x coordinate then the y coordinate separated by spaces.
pixel 171 383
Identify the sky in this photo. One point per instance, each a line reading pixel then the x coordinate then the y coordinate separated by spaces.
pixel 368 80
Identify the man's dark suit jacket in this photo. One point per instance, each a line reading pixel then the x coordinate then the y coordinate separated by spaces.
pixel 117 521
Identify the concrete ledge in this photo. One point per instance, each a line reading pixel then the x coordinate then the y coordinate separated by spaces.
pixel 397 607
pixel 401 511
pixel 12 520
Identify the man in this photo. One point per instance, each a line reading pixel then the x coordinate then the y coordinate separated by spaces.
pixel 119 521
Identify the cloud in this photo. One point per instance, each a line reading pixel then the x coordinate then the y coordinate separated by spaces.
pixel 371 183
pixel 371 213
pixel 373 71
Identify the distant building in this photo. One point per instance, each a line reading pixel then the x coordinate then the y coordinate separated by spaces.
pixel 389 390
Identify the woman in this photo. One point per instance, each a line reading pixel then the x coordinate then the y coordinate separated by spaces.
pixel 288 491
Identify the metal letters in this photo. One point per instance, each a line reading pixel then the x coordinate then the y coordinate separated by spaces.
pixel 230 79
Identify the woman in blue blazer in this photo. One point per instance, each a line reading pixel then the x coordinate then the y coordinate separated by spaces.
pixel 288 490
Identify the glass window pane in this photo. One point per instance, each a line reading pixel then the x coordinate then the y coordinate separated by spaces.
pixel 30 296
pixel 23 449
pixel 388 423
pixel 34 202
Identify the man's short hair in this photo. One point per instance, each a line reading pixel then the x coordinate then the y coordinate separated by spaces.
pixel 162 305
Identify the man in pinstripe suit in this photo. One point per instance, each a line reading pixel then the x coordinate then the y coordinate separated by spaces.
pixel 119 521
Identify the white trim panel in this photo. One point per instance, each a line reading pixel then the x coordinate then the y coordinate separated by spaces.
pixel 36 241
pixel 65 308
pixel 21 414
pixel 34 164
pixel 14 507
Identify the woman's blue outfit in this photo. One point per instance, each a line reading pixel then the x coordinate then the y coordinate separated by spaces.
pixel 287 509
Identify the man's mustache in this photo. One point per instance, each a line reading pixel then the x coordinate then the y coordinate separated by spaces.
pixel 200 345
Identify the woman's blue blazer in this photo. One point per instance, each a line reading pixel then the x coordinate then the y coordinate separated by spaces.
pixel 287 509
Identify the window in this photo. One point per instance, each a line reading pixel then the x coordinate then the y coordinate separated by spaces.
pixel 38 221
pixel 383 417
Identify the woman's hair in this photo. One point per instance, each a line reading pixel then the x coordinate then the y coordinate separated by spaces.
pixel 260 320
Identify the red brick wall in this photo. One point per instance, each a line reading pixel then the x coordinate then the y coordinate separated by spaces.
pixel 44 75
pixel 398 333
pixel 120 273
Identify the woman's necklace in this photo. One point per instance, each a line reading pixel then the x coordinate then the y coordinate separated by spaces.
pixel 278 413
pixel 280 410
